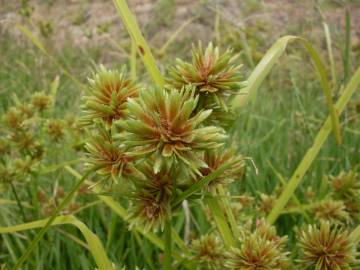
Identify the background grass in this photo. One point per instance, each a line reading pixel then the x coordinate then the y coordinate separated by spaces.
pixel 277 129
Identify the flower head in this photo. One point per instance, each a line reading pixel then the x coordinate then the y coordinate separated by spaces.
pixel 55 129
pixel 333 211
pixel 208 252
pixel 164 124
pixel 327 248
pixel 109 92
pixel 41 101
pixel 13 119
pixel 216 158
pixel 346 187
pixel 150 200
pixel 109 159
pixel 261 249
pixel 215 75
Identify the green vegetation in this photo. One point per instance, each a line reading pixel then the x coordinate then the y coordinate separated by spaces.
pixel 241 154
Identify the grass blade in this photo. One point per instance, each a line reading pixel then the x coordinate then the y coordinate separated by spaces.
pixel 133 61
pixel 138 39
pixel 118 209
pixel 330 52
pixel 220 220
pixel 294 198
pixel 53 216
pixel 95 246
pixel 313 150
pixel 346 57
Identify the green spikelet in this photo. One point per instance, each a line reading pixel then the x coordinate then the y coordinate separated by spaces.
pixel 215 158
pixel 101 151
pixel 261 249
pixel 208 252
pixel 109 92
pixel 215 76
pixel 327 248
pixel 164 124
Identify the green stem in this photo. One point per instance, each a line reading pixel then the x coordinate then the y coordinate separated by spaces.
pixel 54 215
pixel 13 189
pixel 168 242
pixel 347 46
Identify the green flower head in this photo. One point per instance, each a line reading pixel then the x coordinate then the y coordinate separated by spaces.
pixel 104 155
pixel 109 92
pixel 261 249
pixel 214 75
pixel 208 252
pixel 216 158
pixel 163 123
pixel 327 248
pixel 150 200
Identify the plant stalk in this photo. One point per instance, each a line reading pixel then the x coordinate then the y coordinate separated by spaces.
pixel 168 242
pixel 13 189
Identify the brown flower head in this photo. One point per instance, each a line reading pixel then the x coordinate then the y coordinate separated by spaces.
pixel 151 197
pixel 55 129
pixel 333 211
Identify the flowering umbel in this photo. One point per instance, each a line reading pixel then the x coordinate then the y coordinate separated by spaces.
pixel 150 200
pixel 109 91
pixel 333 211
pixel 208 252
pixel 327 248
pixel 261 249
pixel 214 75
pixel 109 159
pixel 41 101
pixel 346 187
pixel 215 158
pixel 163 123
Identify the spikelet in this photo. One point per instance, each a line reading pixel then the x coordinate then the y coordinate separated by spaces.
pixel 215 76
pixel 261 249
pixel 109 92
pixel 208 252
pixel 164 124
pixel 327 247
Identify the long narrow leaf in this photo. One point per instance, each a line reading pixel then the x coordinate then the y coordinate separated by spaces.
pixel 220 221
pixel 53 216
pixel 135 33
pixel 200 184
pixel 95 246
